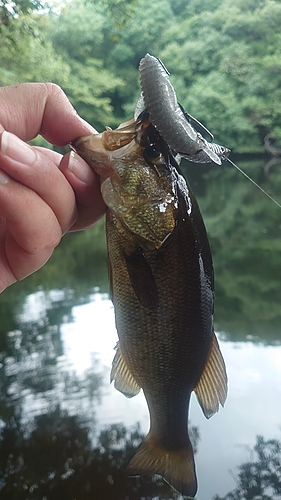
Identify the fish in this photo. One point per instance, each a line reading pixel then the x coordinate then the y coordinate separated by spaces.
pixel 162 288
pixel 158 97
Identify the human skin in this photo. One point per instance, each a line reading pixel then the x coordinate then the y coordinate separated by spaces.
pixel 43 194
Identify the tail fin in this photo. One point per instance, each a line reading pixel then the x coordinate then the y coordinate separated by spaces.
pixel 175 466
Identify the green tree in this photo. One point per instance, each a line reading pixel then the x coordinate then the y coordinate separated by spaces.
pixel 11 8
pixel 77 34
pixel 224 58
pixel 26 54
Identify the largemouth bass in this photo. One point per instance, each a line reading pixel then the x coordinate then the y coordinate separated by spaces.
pixel 161 280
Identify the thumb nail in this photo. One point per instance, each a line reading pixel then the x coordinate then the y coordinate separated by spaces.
pixel 80 168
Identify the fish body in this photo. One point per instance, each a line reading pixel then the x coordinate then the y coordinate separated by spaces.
pixel 166 114
pixel 161 280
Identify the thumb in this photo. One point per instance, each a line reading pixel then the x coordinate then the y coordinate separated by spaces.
pixel 86 185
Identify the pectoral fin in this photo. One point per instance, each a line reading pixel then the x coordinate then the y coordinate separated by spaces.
pixel 123 379
pixel 211 389
pixel 142 279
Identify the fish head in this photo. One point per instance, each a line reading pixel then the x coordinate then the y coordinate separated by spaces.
pixel 95 148
pixel 138 182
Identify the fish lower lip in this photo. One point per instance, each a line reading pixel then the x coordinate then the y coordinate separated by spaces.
pixel 76 142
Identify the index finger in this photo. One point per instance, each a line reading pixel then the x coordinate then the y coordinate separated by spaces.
pixel 30 109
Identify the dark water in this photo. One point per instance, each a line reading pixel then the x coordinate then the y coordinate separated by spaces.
pixel 65 432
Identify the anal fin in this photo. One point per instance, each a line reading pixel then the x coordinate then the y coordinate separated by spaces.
pixel 211 390
pixel 123 379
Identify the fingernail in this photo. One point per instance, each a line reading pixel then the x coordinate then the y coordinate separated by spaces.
pixel 16 149
pixel 80 168
pixel 4 179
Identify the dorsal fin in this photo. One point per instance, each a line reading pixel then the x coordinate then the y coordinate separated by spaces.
pixel 211 389
pixel 123 379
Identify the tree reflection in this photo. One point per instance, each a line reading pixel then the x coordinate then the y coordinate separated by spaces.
pixel 245 235
pixel 33 371
pixel 259 479
pixel 48 444
pixel 55 459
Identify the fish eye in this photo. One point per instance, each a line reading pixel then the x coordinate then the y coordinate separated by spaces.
pixel 153 156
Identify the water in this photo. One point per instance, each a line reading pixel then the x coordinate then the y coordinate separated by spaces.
pixel 66 432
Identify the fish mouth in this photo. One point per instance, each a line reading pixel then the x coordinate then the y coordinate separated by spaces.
pixel 109 140
pixel 86 142
pixel 101 151
pixel 75 144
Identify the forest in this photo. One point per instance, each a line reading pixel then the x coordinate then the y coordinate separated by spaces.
pixel 224 57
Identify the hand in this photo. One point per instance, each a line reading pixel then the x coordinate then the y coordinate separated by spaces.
pixel 42 193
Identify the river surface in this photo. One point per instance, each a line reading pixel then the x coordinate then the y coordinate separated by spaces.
pixel 66 433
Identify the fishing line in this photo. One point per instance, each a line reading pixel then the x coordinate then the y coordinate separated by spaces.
pixel 250 179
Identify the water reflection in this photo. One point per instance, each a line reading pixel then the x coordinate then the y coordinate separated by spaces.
pixel 35 374
pixel 245 236
pixel 259 477
pixel 272 163
pixel 51 444
pixel 65 432
pixel 56 397
pixel 55 459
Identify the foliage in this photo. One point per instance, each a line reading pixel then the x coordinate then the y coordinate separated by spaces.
pixel 90 85
pixel 259 479
pixel 120 12
pixel 25 56
pixel 11 8
pixel 224 58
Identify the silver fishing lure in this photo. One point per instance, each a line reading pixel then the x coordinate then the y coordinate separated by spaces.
pixel 160 100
